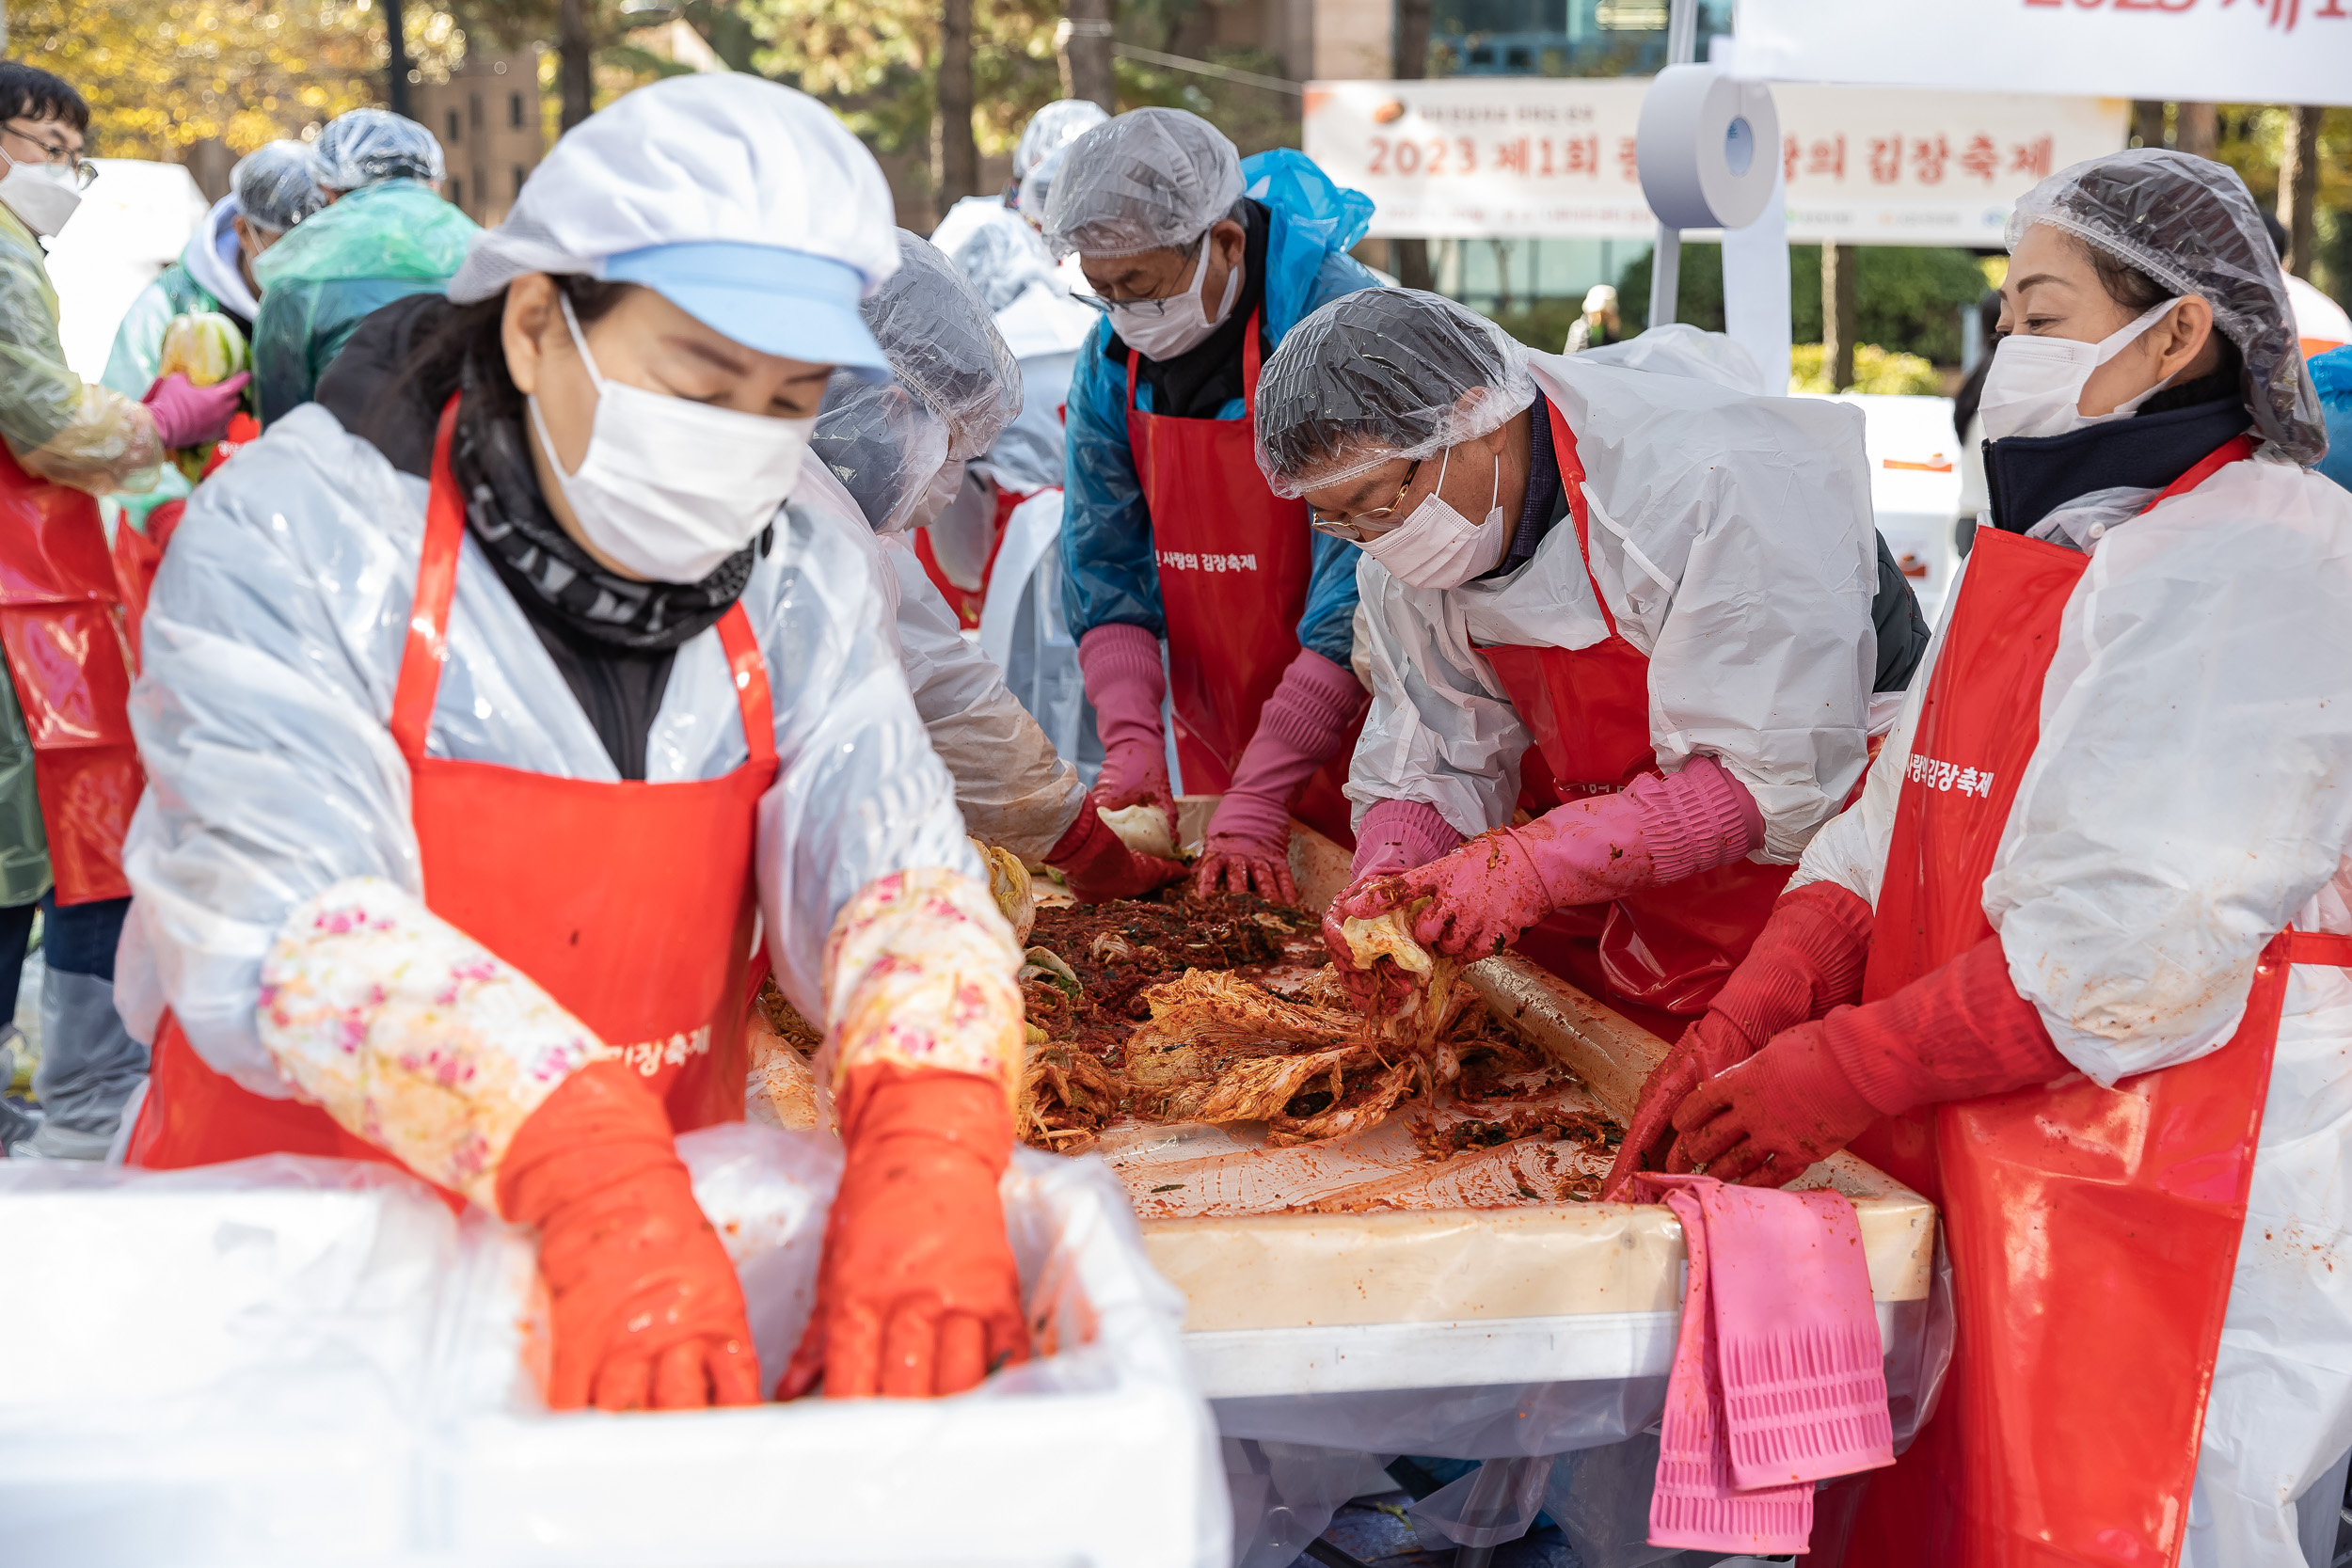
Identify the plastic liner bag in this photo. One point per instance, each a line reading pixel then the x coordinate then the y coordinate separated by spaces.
pixel 1285 1494
pixel 2190 223
pixel 298 1360
pixel 1681 349
pixel 1022 630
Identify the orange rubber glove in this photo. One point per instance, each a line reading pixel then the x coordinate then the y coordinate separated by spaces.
pixel 647 1311
pixel 918 1294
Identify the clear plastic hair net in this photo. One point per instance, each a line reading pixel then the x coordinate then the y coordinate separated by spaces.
pixel 2191 224
pixel 1036 188
pixel 367 146
pixel 954 387
pixel 274 187
pixel 1001 260
pixel 1053 128
pixel 1147 181
pixel 1378 375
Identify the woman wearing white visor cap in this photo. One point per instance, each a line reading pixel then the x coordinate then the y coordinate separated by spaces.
pixel 493 703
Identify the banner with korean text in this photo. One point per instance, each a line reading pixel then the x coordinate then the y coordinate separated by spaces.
pixel 1473 157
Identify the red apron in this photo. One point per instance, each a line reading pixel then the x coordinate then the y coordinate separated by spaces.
pixel 632 903
pixel 62 629
pixel 968 602
pixel 1662 954
pixel 2092 1232
pixel 1234 559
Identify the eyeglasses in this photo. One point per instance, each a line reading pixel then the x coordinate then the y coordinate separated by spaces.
pixel 1154 307
pixel 1352 529
pixel 52 152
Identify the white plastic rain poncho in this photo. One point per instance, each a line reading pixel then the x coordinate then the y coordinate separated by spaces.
pixel 2184 803
pixel 883 450
pixel 272 646
pixel 1147 181
pixel 279 801
pixel 1732 535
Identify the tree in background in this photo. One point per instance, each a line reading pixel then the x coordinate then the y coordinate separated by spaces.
pixel 163 75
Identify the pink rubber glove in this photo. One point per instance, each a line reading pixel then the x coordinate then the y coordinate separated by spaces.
pixel 1659 831
pixel 1807 959
pixel 1959 1032
pixel 1394 835
pixel 1126 683
pixel 1099 867
pixel 1303 723
pixel 188 415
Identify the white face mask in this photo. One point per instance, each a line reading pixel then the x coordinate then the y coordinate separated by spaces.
pixel 670 488
pixel 1163 328
pixel 43 194
pixel 942 489
pixel 2035 387
pixel 1435 547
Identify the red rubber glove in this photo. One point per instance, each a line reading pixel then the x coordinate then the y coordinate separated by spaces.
pixel 188 415
pixel 1125 682
pixel 1957 1032
pixel 1306 721
pixel 647 1313
pixel 1807 959
pixel 1098 866
pixel 918 1294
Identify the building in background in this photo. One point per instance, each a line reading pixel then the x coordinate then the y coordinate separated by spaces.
pixel 486 115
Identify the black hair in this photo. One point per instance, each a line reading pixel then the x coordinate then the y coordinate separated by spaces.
pixel 28 92
pixel 2137 293
pixel 469 335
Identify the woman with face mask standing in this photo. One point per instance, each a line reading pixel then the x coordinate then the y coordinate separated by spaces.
pixel 491 708
pixel 1638 604
pixel 2100 922
pixel 1167 528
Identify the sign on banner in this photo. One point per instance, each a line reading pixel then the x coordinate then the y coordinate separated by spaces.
pixel 2204 50
pixel 1471 157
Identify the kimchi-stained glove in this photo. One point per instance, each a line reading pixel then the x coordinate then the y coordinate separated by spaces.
pixel 646 1311
pixel 1301 726
pixel 1959 1032
pixel 1807 959
pixel 918 1294
pixel 1099 866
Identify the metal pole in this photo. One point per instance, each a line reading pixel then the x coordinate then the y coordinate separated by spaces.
pixel 1665 257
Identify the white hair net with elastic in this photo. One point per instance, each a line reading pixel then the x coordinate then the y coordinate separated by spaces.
pixel 367 147
pixel 1000 259
pixel 1053 128
pixel 1147 181
pixel 954 387
pixel 687 159
pixel 1381 375
pixel 274 190
pixel 2191 224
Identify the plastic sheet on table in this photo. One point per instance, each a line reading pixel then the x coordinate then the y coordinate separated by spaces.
pixel 305 1360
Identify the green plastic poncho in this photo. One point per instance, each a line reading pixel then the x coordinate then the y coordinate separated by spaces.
pixel 374 245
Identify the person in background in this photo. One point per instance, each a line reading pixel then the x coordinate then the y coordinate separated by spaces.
pixel 454 857
pixel 2331 375
pixel 2078 966
pixel 1970 428
pixel 67 781
pixel 1168 528
pixel 1021 625
pixel 1645 607
pixel 385 234
pixel 1599 327
pixel 1051 129
pixel 894 451
pixel 270 191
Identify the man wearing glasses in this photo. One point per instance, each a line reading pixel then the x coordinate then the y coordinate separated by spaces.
pixel 1645 607
pixel 63 442
pixel 1201 263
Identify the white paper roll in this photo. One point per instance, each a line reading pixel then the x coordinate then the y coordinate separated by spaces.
pixel 1706 147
